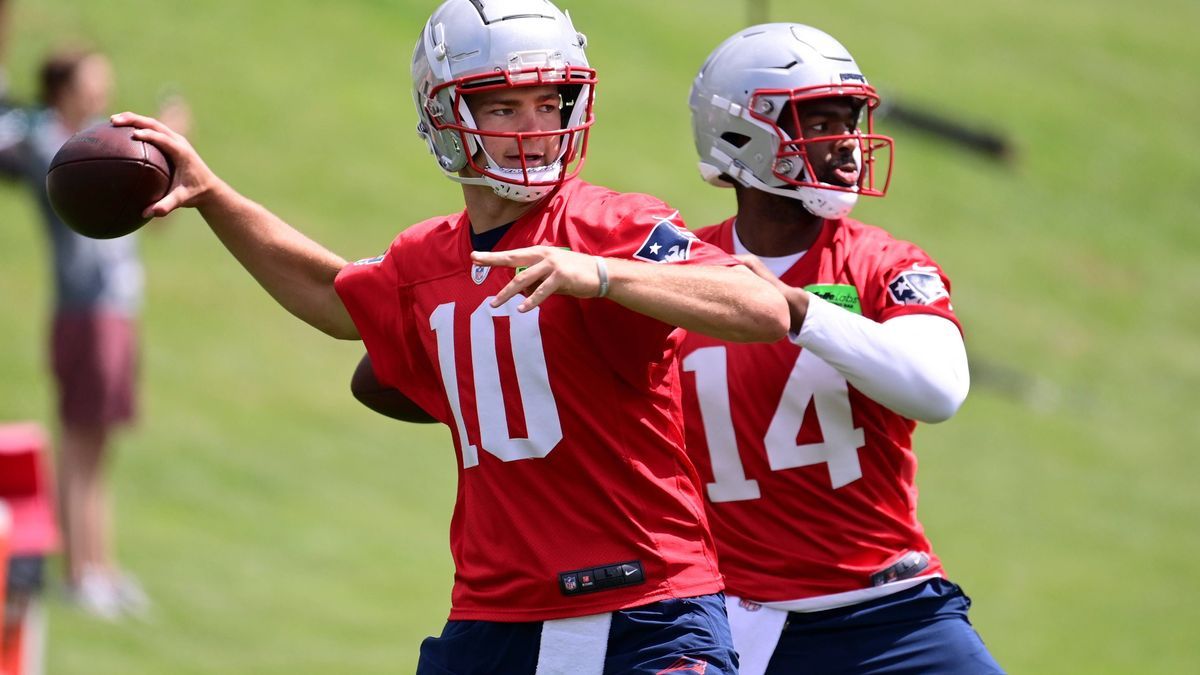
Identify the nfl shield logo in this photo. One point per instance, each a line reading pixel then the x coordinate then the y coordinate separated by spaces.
pixel 569 582
pixel 479 273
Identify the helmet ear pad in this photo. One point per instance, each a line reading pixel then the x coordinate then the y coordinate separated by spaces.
pixel 447 146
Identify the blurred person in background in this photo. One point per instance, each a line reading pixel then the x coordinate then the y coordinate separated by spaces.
pixel 806 443
pixel 98 288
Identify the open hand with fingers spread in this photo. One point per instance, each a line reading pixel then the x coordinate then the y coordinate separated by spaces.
pixel 548 270
pixel 193 181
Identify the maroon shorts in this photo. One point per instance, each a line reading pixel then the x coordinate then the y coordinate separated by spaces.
pixel 94 356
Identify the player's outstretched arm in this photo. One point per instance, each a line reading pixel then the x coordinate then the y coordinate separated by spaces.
pixel 295 270
pixel 728 303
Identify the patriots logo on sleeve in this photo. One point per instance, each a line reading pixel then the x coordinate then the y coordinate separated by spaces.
pixel 920 285
pixel 666 243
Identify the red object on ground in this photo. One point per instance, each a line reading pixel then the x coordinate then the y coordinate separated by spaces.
pixel 27 528
pixel 5 530
pixel 8 657
pixel 25 487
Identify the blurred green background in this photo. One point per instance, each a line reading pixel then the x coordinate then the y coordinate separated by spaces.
pixel 281 528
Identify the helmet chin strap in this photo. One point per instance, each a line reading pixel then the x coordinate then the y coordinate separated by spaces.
pixel 523 193
pixel 821 202
pixel 514 190
pixel 830 204
pixel 513 184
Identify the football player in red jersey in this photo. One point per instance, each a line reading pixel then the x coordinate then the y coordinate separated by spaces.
pixel 805 445
pixel 539 324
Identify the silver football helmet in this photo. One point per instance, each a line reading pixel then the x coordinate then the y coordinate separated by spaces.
pixel 739 100
pixel 476 46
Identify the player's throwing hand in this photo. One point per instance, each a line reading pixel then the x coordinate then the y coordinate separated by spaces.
pixel 193 180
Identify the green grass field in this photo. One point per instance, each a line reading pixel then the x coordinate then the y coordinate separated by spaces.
pixel 281 528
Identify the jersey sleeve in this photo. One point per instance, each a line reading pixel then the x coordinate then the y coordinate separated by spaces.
pixel 908 281
pixel 373 295
pixel 652 233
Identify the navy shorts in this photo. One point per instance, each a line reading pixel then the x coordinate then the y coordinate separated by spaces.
pixel 923 630
pixel 688 636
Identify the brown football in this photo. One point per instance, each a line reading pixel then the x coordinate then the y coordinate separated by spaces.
pixel 103 178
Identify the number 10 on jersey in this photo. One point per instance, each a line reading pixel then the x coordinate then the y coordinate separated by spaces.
pixel 533 382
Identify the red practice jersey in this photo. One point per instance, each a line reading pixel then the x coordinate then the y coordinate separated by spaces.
pixel 575 494
pixel 810 484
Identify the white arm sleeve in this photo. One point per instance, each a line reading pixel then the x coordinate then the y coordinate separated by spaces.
pixel 915 365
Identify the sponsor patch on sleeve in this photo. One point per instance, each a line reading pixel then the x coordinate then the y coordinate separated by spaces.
pixel 920 285
pixel 842 295
pixel 666 243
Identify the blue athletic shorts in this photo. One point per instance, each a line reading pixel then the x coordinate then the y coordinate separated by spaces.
pixel 688 636
pixel 923 630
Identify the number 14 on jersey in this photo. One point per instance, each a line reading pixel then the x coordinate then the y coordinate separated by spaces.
pixel 811 381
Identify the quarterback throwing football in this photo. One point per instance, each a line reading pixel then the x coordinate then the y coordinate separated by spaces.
pixel 539 325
